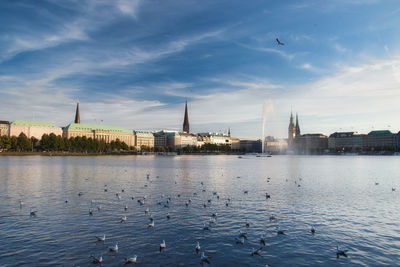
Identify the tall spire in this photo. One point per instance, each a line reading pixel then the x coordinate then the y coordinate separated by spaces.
pixel 77 116
pixel 229 132
pixel 297 126
pixel 186 120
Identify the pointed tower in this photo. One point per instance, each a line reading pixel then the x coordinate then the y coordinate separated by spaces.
pixel 229 132
pixel 77 116
pixel 291 130
pixel 186 120
pixel 297 126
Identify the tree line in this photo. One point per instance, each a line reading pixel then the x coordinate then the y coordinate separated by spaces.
pixel 54 142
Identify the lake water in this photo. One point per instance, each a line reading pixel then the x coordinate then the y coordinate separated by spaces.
pixel 337 195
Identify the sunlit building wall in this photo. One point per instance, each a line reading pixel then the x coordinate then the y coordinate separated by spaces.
pixel 4 128
pixel 99 132
pixel 34 129
pixel 143 138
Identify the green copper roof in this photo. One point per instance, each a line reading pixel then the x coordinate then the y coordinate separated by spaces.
pixel 33 123
pixel 380 133
pixel 95 127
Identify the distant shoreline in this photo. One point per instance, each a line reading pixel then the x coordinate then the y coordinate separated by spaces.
pixel 82 154
pixel 74 154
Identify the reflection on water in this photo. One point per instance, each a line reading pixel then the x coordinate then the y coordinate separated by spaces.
pixel 337 195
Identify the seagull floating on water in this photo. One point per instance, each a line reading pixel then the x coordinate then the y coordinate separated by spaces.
pixel 206 227
pixel 247 223
pixel 101 238
pixel 123 219
pixel 280 232
pixel 90 212
pixel 340 252
pixel 312 229
pixel 243 234
pixel 114 248
pixel 204 258
pixel 239 240
pixel 163 245
pixel 97 260
pixel 262 239
pixel 33 212
pixel 256 251
pixel 151 224
pixel 131 260
pixel 197 247
pixel 168 216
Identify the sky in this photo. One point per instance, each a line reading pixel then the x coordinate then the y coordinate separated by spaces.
pixel 134 63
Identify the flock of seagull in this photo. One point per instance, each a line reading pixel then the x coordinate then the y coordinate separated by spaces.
pixel 166 200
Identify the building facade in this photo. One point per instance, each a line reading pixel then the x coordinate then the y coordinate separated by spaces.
pixel 143 138
pixel 251 146
pixel 4 128
pixel 380 140
pixel 275 146
pixel 346 142
pixel 311 143
pixel 33 129
pixel 99 132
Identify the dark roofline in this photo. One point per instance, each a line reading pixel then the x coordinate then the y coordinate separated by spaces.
pixel 4 122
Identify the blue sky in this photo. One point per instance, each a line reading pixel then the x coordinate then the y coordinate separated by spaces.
pixel 135 63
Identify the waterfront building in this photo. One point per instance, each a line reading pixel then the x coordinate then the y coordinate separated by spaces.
pixel 33 129
pixel 380 140
pixel 251 146
pixel 4 128
pixel 216 138
pixel 143 138
pixel 99 132
pixel 346 142
pixel 235 143
pixel 275 146
pixel 187 139
pixel 311 143
pixel 398 141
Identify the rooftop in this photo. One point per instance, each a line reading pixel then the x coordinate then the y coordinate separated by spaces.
pixel 380 133
pixel 33 123
pixel 96 127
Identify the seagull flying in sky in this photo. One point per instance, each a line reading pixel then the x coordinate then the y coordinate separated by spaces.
pixel 279 42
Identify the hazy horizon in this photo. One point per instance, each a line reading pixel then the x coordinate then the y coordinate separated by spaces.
pixel 134 64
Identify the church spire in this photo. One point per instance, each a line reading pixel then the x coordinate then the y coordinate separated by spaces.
pixel 77 116
pixel 297 126
pixel 186 120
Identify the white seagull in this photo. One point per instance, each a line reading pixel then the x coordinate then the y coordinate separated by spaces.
pixel 101 238
pixel 114 248
pixel 123 218
pixel 97 260
pixel 163 245
pixel 197 247
pixel 151 224
pixel 131 260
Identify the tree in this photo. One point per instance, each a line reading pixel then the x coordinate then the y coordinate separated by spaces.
pixel 5 142
pixel 23 142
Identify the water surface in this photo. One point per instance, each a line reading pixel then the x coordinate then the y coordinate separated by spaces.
pixel 337 195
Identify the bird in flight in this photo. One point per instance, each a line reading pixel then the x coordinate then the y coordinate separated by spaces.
pixel 279 42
